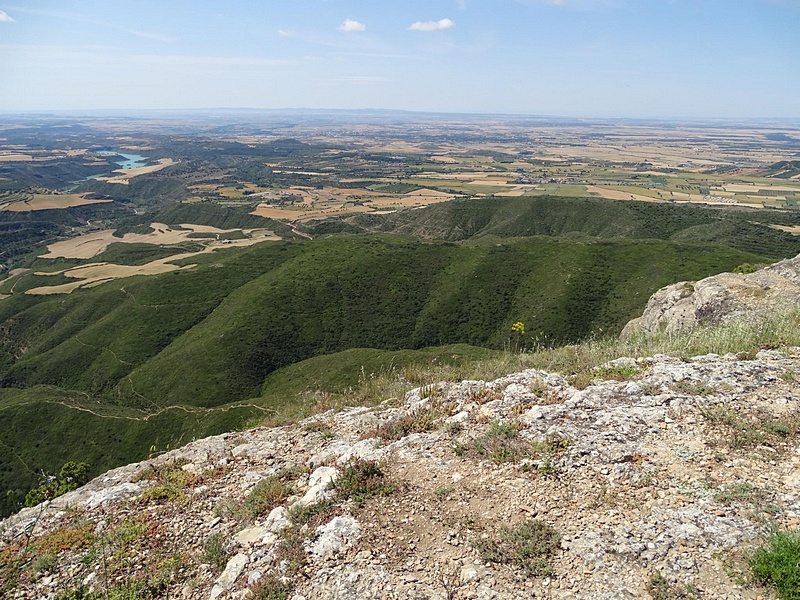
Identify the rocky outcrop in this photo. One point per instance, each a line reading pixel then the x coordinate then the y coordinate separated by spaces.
pixel 660 466
pixel 720 298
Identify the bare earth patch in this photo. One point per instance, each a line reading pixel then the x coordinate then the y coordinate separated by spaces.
pixel 51 201
pixel 792 230
pixel 125 175
pixel 90 245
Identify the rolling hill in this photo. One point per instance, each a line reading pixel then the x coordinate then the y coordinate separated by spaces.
pixel 115 372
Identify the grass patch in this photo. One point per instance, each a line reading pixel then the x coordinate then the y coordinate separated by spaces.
pixel 424 419
pixel 171 482
pixel 583 378
pixel 290 552
pixel 694 389
pixel 313 514
pixel 28 558
pixel 267 494
pixel 126 591
pixel 740 430
pixel 216 551
pixel 529 545
pixel 361 480
pixel 502 443
pixel 739 492
pixel 271 587
pixel 660 589
pixel 777 564
pixel 757 500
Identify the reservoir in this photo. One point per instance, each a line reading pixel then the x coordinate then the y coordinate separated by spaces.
pixel 130 161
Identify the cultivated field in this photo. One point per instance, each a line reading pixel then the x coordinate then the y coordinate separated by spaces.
pixel 50 201
pixel 90 245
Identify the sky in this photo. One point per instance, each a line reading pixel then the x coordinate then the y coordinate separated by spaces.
pixel 578 58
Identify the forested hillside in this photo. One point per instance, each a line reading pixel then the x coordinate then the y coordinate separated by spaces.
pixel 140 364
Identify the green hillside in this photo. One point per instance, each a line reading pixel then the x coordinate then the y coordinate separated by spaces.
pixel 210 335
pixel 480 218
pixel 105 374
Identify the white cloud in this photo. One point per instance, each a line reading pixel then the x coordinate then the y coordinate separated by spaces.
pixel 432 25
pixel 284 34
pixel 4 18
pixel 350 25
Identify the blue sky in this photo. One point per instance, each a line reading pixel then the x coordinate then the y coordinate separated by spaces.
pixel 585 58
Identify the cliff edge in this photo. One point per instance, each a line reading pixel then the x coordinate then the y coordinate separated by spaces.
pixel 658 477
pixel 720 298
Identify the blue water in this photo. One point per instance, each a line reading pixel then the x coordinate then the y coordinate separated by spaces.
pixel 131 161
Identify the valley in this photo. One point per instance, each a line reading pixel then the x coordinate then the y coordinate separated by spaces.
pixel 255 266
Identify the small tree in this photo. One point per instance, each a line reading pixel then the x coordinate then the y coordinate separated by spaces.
pixel 71 476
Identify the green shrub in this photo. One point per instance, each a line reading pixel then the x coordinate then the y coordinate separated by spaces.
pixel 777 564
pixel 270 587
pixel 502 443
pixel 528 545
pixel 215 551
pixel 361 480
pixel 420 421
pixel 171 481
pixel 266 495
pixel 741 430
pixel 44 563
pixel 744 269
pixel 125 591
pixel 71 476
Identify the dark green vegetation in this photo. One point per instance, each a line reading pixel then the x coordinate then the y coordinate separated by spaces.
pixel 485 219
pixel 109 374
pixel 71 476
pixel 777 564
pixel 784 169
pixel 22 231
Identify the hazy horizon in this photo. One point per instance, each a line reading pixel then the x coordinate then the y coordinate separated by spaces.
pixel 638 59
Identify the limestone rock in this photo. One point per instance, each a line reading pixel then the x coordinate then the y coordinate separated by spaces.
pixel 229 576
pixel 335 537
pixel 720 298
pixel 318 485
pixel 637 477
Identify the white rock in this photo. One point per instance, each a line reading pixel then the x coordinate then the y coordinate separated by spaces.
pixel 329 454
pixel 335 537
pixel 365 450
pixel 277 520
pixel 250 536
pixel 460 417
pixel 534 414
pixel 469 574
pixel 318 486
pixel 229 576
pixel 112 493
